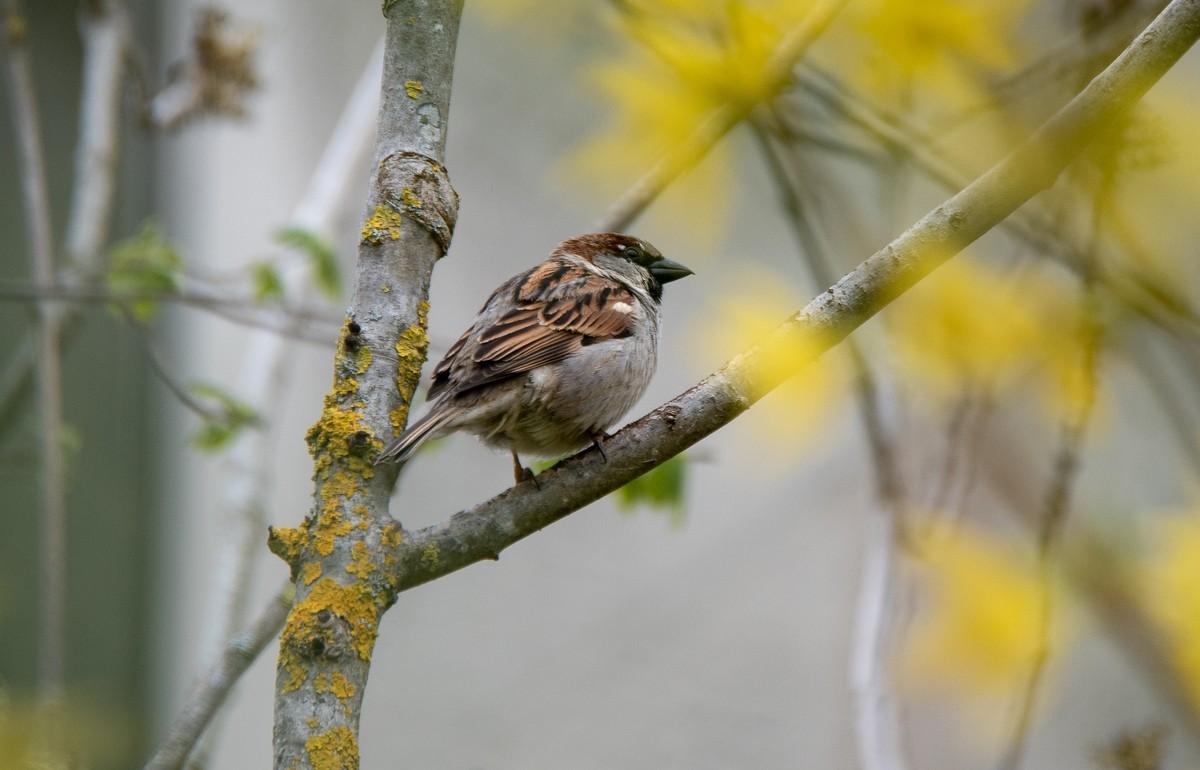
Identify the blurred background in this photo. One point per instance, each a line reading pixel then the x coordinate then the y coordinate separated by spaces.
pixel 969 542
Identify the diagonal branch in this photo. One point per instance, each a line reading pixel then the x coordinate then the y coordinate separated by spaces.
pixel 485 530
pixel 237 655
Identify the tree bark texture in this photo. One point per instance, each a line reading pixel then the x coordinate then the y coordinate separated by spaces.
pixel 340 554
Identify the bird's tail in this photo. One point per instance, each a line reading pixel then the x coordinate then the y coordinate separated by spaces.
pixel 408 442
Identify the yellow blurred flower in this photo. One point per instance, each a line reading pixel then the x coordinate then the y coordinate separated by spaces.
pixel 1152 216
pixel 748 314
pixel 1171 592
pixel 937 49
pixel 981 625
pixel 971 328
pixel 556 16
pixel 688 58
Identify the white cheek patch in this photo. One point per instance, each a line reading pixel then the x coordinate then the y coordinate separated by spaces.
pixel 622 307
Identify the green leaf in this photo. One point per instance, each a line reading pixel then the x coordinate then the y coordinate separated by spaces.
pixel 661 488
pixel 145 263
pixel 231 416
pixel 268 286
pixel 326 274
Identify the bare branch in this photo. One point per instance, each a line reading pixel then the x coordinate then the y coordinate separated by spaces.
pixel 340 570
pixel 1158 303
pixel 105 38
pixel 239 652
pixel 284 320
pixel 1056 507
pixel 105 46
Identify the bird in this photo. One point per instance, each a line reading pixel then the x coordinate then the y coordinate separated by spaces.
pixel 555 357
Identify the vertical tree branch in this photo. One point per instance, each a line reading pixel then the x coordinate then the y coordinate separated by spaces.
pixel 52 546
pixel 105 28
pixel 268 360
pixel 1057 505
pixel 339 555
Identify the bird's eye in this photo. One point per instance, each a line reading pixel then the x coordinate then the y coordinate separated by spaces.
pixel 632 253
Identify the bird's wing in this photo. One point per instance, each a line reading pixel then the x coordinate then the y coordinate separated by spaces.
pixel 557 307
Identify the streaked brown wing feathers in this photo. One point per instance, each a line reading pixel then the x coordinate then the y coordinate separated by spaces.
pixel 560 304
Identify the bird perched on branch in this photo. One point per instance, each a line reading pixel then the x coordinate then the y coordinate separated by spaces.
pixel 556 355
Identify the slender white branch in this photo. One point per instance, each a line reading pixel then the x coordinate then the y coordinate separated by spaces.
pixel 105 49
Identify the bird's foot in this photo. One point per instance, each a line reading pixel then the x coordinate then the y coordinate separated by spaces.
pixel 521 474
pixel 598 437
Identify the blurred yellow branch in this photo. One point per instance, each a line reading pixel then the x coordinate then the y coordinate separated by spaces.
pixel 635 200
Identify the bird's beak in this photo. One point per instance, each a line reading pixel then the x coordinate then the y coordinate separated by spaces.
pixel 665 271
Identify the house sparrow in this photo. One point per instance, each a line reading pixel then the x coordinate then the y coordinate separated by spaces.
pixel 555 356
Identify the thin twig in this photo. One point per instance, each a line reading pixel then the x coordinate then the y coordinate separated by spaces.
pixel 1154 301
pixel 1057 502
pixel 681 158
pixel 177 388
pixel 105 33
pixel 105 46
pixel 284 320
pixel 52 551
pixel 878 721
pixel 239 652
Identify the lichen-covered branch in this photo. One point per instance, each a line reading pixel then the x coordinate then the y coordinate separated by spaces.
pixel 485 530
pixel 340 555
pixel 268 361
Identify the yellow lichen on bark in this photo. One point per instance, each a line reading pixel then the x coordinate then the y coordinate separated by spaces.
pixel 413 88
pixel 385 223
pixel 410 355
pixel 336 749
pixel 310 572
pixel 297 672
pixel 287 543
pixel 410 198
pixel 360 561
pixel 392 535
pixel 354 604
pixel 335 684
